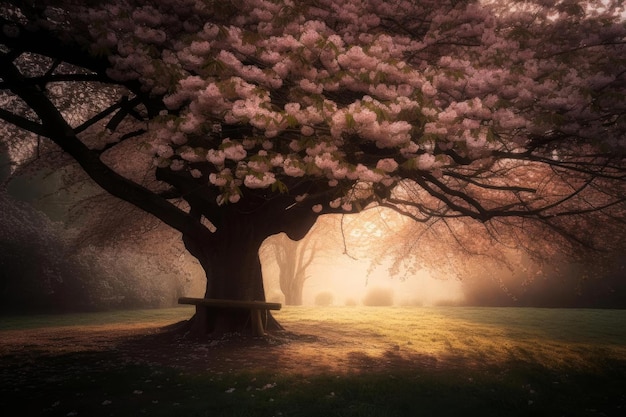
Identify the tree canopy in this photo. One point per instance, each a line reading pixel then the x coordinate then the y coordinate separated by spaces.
pixel 285 110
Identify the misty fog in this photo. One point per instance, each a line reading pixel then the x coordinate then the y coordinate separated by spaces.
pixel 42 264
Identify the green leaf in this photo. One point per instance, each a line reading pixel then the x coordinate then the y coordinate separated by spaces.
pixel 409 164
pixel 215 66
pixel 280 187
pixel 350 122
pixel 291 121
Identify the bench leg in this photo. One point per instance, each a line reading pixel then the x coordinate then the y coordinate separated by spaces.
pixel 201 320
pixel 257 323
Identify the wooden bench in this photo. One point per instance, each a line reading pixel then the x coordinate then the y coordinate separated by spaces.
pixel 257 309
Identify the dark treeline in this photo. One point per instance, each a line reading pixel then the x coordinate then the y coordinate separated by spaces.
pixel 565 286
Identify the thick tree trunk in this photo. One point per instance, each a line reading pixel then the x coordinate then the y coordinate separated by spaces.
pixel 230 258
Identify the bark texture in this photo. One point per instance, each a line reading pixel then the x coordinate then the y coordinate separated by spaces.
pixel 230 258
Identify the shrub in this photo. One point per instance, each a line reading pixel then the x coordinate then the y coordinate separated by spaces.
pixel 378 297
pixel 324 299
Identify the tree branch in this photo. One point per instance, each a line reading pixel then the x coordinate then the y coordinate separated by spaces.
pixel 61 133
pixel 22 122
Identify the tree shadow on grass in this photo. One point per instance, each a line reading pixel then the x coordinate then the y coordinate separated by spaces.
pixel 161 372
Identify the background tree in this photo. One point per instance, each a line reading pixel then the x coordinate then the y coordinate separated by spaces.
pixel 500 262
pixel 45 269
pixel 262 115
pixel 292 259
pixel 32 258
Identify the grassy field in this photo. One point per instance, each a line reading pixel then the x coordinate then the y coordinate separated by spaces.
pixel 336 361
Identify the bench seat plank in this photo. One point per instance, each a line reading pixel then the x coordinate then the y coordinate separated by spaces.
pixel 212 302
pixel 207 307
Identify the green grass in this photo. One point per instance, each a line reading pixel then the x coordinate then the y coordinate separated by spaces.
pixel 554 338
pixel 33 321
pixel 507 362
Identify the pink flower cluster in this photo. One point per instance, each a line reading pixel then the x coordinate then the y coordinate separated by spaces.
pixel 314 85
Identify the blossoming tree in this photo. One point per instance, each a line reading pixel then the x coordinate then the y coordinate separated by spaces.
pixel 261 115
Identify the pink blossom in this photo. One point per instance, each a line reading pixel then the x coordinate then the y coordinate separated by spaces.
pixel 164 151
pixel 293 168
pixel 146 15
pixel 307 130
pixel 428 89
pixel 256 181
pixel 424 161
pixel 326 161
pixel 366 174
pixel 311 87
pixel 191 123
pixel 387 165
pixel 258 166
pixel 177 165
pixel 200 47
pixel 448 115
pixel 263 15
pixel 217 180
pixel 308 86
pixel 277 160
pixel 216 157
pixel 191 154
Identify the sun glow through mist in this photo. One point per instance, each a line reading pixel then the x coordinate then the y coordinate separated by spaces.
pixel 348 258
pixel 349 282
